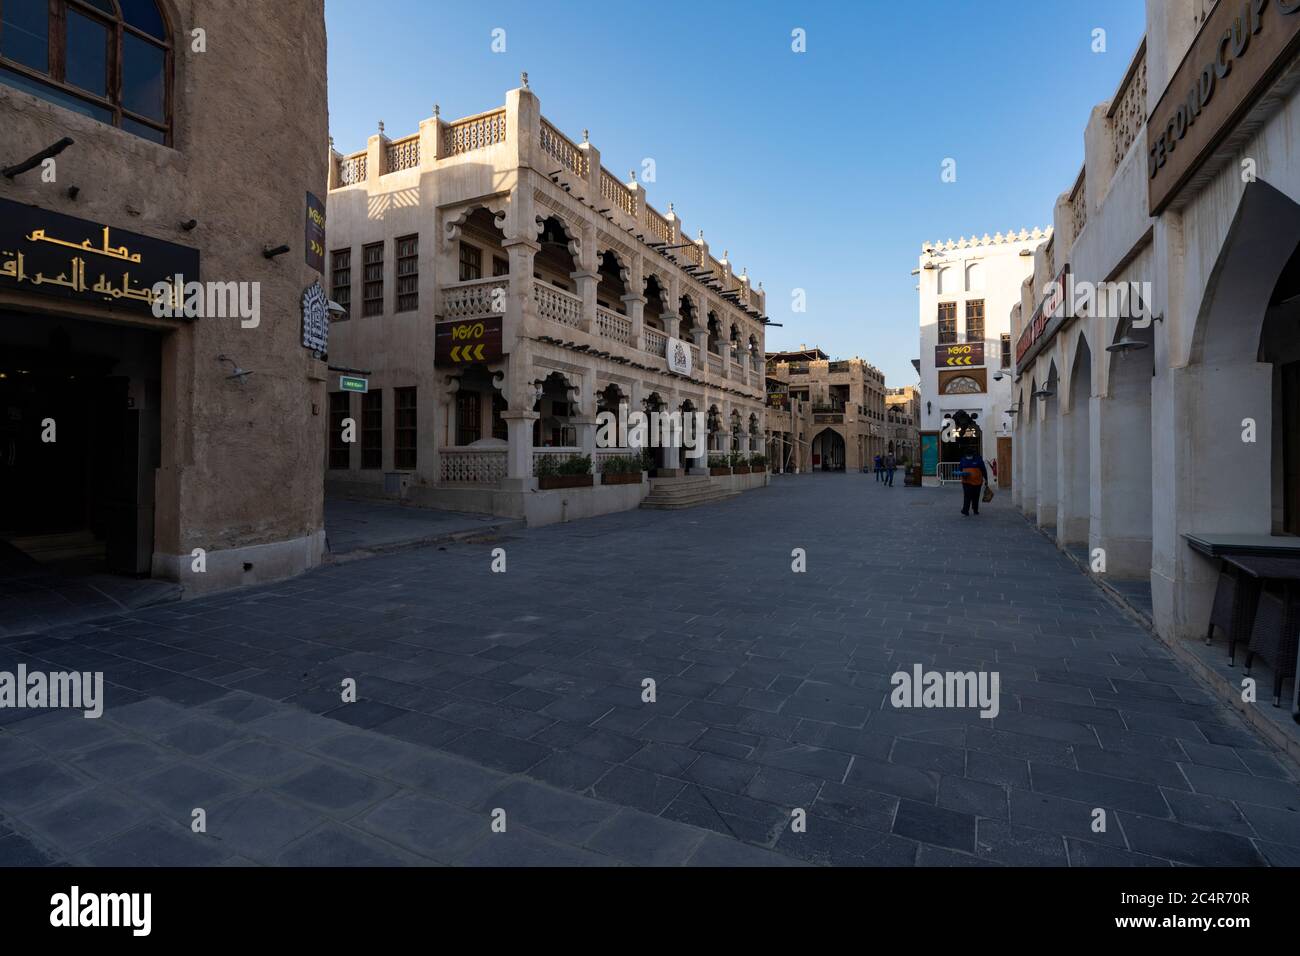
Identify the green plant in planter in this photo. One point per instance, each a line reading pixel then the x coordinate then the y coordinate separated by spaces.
pixel 738 459
pixel 621 465
pixel 646 460
pixel 719 461
pixel 546 466
pixel 575 465
pixel 758 461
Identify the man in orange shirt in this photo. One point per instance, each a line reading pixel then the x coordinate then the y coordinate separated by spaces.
pixel 974 476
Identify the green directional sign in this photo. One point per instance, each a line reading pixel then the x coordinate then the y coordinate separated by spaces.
pixel 351 383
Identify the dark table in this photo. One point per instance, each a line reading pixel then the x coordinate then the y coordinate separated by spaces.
pixel 1272 625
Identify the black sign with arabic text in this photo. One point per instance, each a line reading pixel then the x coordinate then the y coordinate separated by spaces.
pixel 48 253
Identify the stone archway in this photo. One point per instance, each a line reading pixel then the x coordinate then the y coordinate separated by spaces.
pixel 1029 481
pixel 1075 505
pixel 1234 388
pixel 1122 525
pixel 829 451
pixel 556 407
pixel 1048 450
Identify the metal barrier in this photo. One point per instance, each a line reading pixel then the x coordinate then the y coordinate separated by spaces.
pixel 949 472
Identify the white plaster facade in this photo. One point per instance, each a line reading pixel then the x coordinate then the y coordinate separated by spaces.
pixel 959 275
pixel 590 282
pixel 1136 447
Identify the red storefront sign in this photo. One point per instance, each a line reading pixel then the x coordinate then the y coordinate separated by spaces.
pixel 1051 308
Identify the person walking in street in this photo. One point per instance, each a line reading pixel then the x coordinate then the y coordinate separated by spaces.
pixel 974 476
pixel 891 463
pixel 878 475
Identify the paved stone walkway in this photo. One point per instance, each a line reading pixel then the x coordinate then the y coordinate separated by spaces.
pixel 521 692
pixel 363 524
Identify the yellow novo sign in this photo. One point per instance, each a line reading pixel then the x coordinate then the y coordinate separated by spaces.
pixel 468 340
pixel 951 356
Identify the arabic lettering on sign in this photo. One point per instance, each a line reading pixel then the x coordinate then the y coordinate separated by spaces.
pixel 52 259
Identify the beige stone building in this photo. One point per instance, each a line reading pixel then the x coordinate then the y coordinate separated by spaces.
pixel 903 423
pixel 503 288
pixel 848 406
pixel 1157 367
pixel 789 430
pixel 183 448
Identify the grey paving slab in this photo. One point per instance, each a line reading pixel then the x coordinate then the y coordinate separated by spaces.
pixel 524 691
pixel 646 840
pixel 335 845
pixel 432 828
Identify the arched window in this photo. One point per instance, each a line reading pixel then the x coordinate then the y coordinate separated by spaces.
pixel 110 60
pixel 961 385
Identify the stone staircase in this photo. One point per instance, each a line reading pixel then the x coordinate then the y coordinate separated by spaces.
pixel 672 494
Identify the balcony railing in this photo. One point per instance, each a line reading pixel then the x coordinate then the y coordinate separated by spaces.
pixel 614 326
pixel 352 170
pixel 557 305
pixel 659 226
pixel 477 466
pixel 468 300
pixel 475 132
pixel 564 150
pixel 1128 108
pixel 402 154
pixel 656 343
pixel 1079 203
pixel 689 251
pixel 614 191
pixel 480 298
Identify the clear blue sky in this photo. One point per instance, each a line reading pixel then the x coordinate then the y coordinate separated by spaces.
pixel 818 170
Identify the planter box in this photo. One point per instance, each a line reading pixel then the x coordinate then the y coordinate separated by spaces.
pixel 757 469
pixel 621 478
pixel 715 472
pixel 740 470
pixel 551 482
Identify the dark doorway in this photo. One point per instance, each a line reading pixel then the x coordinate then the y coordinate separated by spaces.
pixel 828 451
pixel 963 437
pixel 80 439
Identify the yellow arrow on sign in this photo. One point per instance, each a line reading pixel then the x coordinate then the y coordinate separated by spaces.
pixel 964 360
pixel 455 353
pixel 478 351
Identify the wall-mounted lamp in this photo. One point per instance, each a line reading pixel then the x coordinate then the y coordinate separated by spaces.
pixel 1126 345
pixel 1044 393
pixel 270 253
pixel 239 375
